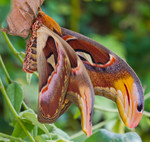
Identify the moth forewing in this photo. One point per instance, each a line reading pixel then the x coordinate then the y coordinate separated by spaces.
pixel 53 83
pixel 80 90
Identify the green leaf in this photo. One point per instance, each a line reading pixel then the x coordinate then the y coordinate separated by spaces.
pixel 77 114
pixel 33 119
pixel 106 136
pixel 57 134
pixel 79 138
pixel 119 127
pixel 18 132
pixel 2 139
pixel 62 140
pixel 6 137
pixel 60 133
pixel 35 131
pixel 15 95
pixel 39 139
pixel 45 137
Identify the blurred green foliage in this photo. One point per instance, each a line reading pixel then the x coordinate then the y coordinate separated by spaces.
pixel 121 25
pixel 4 9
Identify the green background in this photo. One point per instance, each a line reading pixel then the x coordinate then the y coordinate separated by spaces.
pixel 121 25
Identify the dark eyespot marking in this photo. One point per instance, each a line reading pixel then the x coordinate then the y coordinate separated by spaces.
pixel 140 107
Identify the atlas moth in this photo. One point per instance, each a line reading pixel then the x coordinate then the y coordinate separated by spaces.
pixel 73 68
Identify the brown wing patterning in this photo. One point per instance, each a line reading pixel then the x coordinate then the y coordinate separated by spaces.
pixel 111 76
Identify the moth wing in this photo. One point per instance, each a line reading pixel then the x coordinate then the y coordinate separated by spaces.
pixel 54 75
pixel 80 90
pixel 111 76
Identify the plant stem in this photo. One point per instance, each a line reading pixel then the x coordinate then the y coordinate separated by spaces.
pixel 14 51
pixel 146 113
pixel 104 109
pixel 11 138
pixel 115 110
pixel 146 96
pixel 25 106
pixel 14 111
pixel 9 79
pixel 99 125
pixel 95 127
pixel 75 15
pixel 5 70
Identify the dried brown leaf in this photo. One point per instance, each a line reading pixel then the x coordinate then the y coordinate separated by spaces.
pixel 21 16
